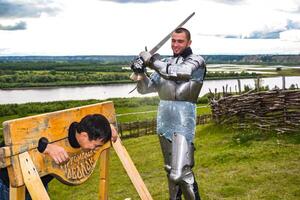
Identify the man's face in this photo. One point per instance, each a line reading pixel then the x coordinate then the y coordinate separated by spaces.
pixel 179 43
pixel 87 144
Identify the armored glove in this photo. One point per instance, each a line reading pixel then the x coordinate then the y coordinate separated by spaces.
pixel 138 65
pixel 146 56
pixel 149 59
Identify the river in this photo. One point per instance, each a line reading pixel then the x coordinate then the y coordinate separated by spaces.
pixel 121 90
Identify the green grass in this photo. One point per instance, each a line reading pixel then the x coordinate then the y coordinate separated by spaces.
pixel 289 72
pixel 229 165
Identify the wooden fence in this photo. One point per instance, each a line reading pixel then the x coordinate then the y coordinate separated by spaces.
pixel 148 127
pixel 269 110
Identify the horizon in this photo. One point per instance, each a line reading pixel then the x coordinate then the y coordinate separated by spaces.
pixel 274 54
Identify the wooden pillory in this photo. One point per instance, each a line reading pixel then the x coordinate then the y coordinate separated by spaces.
pixel 26 165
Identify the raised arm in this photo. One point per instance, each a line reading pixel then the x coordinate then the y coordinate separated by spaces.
pixel 178 72
pixel 147 85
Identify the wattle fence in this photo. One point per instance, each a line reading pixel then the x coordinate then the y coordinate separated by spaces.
pixel 277 110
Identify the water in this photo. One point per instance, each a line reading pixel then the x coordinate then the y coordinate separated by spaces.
pixel 121 90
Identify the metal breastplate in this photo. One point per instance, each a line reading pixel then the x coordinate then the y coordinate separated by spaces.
pixel 186 91
pixel 181 90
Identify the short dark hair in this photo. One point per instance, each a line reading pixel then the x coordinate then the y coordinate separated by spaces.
pixel 184 30
pixel 96 126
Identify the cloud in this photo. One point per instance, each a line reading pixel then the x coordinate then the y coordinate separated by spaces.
pixel 292 25
pixel 232 36
pixel 265 33
pixel 17 26
pixel 31 8
pixel 136 1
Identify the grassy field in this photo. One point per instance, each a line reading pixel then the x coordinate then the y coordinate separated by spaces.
pixel 230 164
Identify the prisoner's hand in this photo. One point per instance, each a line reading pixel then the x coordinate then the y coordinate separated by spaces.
pixel 114 133
pixel 57 153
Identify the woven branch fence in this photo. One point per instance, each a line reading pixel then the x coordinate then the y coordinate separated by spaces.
pixel 277 110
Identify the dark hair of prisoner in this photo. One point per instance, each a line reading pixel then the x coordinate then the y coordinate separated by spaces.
pixel 96 126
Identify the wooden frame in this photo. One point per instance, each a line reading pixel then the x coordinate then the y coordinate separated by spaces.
pixel 26 165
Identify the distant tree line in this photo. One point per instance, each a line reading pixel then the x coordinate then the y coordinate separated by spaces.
pixel 13 78
pixel 231 74
pixel 10 79
pixel 63 66
pixel 293 59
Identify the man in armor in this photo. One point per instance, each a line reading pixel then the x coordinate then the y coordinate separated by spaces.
pixel 178 81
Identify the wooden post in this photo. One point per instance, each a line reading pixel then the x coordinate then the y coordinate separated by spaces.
pixel 283 82
pixel 258 84
pixel 223 90
pixel 239 86
pixel 120 129
pixel 103 183
pixel 17 193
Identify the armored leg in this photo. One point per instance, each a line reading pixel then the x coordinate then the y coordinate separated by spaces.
pixel 166 147
pixel 181 167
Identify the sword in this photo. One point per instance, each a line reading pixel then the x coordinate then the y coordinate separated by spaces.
pixel 136 76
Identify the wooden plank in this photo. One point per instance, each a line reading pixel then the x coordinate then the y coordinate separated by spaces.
pixel 32 179
pixel 131 170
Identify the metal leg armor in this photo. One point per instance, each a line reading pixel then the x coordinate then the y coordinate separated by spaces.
pixel 166 147
pixel 181 167
pixel 179 160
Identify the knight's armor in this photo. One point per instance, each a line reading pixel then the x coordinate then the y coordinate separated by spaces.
pixel 178 81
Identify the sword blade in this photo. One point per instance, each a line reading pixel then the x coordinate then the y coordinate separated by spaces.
pixel 163 41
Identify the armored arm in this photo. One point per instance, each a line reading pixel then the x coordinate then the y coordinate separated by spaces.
pixel 146 84
pixel 179 72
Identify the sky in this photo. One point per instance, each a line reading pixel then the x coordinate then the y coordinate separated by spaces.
pixel 126 27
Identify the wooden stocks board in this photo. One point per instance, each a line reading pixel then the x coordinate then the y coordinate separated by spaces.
pixel 22 135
